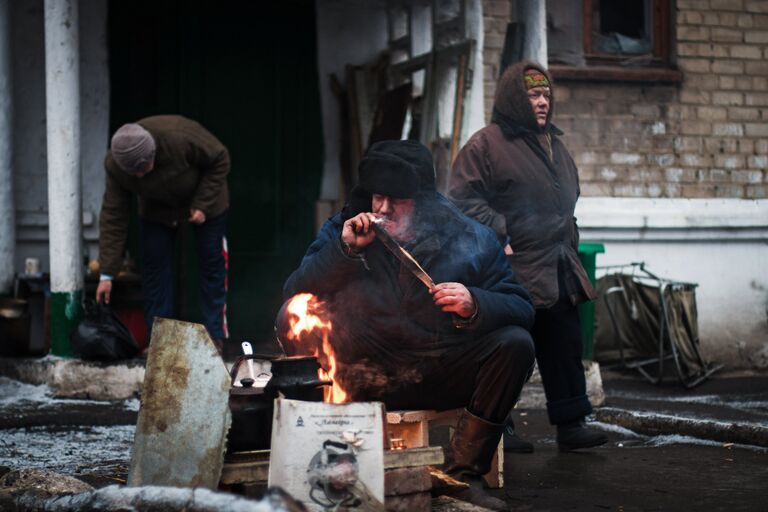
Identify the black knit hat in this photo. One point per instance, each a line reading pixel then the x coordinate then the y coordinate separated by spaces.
pixel 385 173
pixel 416 154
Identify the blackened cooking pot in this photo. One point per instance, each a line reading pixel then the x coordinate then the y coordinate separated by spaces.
pixel 252 407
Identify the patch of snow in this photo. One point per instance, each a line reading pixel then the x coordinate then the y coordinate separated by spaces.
pixel 159 498
pixel 741 403
pixel 65 451
pixel 665 440
pixel 610 427
pixel 12 391
pixel 15 392
pixel 133 404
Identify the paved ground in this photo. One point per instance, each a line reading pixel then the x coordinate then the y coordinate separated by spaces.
pixel 668 472
pixel 663 471
pixel 634 472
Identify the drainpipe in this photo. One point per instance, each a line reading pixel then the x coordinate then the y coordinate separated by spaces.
pixel 62 95
pixel 7 208
pixel 534 15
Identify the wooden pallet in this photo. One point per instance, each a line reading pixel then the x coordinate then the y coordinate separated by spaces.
pixel 413 428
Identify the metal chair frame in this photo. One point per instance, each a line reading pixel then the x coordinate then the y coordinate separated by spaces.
pixel 665 334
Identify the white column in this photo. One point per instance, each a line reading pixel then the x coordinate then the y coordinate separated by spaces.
pixel 62 93
pixel 534 14
pixel 7 208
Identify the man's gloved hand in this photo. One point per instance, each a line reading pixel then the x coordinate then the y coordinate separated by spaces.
pixel 454 298
pixel 357 233
pixel 103 291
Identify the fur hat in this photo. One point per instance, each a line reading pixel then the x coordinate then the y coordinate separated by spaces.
pixel 416 154
pixel 384 172
pixel 133 148
pixel 512 93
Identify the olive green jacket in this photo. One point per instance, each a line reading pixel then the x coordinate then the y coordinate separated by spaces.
pixel 190 171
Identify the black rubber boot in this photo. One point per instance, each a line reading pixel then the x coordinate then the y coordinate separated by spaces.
pixel 575 435
pixel 513 443
pixel 469 456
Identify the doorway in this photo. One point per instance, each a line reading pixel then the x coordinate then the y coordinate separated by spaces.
pixel 246 71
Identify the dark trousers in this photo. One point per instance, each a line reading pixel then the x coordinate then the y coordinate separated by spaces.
pixel 485 376
pixel 157 272
pixel 557 337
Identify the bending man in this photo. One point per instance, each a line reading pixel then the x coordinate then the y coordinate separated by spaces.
pixel 178 170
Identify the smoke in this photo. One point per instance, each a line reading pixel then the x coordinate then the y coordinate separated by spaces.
pixel 365 379
pixel 387 332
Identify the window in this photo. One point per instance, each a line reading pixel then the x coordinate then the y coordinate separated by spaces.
pixel 627 40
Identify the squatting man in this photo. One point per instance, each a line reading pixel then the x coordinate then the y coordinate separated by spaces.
pixel 463 343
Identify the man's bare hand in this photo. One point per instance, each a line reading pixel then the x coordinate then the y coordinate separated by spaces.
pixel 357 232
pixel 103 291
pixel 196 216
pixel 508 250
pixel 454 298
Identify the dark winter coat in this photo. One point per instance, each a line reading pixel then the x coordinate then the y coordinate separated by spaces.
pixel 523 183
pixel 383 316
pixel 190 171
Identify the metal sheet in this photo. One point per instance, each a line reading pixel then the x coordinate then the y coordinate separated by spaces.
pixel 184 417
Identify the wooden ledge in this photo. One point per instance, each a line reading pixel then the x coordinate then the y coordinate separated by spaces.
pixel 654 75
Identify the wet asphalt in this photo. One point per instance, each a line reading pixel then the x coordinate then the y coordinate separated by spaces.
pixel 664 470
pixel 632 472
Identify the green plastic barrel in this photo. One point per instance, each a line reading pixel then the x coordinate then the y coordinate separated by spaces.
pixel 588 252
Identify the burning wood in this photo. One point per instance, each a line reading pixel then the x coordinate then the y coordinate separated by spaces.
pixel 305 316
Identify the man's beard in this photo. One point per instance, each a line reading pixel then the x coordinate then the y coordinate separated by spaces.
pixel 401 230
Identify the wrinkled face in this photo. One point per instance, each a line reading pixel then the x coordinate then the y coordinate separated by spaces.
pixel 397 213
pixel 540 101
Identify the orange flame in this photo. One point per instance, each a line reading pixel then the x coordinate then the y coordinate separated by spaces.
pixel 303 318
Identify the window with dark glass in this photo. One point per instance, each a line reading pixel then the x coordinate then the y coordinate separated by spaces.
pixel 611 39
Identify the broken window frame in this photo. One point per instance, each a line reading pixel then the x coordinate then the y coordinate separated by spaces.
pixel 658 67
pixel 447 66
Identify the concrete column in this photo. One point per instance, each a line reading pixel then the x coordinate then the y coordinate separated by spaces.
pixel 534 14
pixel 7 208
pixel 62 93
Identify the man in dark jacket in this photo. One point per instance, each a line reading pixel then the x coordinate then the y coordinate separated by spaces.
pixel 178 170
pixel 462 343
pixel 516 176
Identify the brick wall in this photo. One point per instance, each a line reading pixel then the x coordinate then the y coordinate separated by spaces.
pixel 707 137
pixel 496 15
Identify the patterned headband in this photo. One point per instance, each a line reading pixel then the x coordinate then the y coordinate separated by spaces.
pixel 535 78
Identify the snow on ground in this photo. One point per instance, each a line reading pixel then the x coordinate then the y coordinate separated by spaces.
pixel 66 450
pixel 62 449
pixel 755 402
pixel 13 392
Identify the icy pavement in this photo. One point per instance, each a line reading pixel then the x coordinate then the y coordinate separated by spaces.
pixel 69 436
pixel 29 405
pixel 69 451
pixel 13 392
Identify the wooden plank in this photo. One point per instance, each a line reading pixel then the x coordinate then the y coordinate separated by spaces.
pixel 395 417
pixel 245 472
pixel 257 470
pixel 413 457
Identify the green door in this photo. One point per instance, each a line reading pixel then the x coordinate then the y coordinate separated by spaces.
pixel 247 71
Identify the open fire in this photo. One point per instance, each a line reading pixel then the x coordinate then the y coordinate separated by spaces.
pixel 306 325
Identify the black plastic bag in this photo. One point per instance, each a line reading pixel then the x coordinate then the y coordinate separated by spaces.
pixel 101 336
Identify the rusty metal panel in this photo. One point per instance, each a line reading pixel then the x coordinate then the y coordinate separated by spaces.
pixel 184 417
